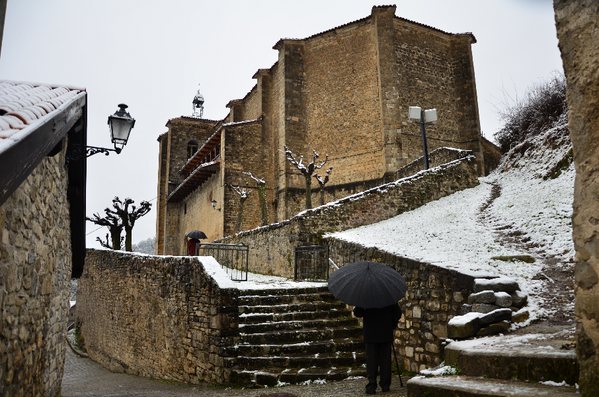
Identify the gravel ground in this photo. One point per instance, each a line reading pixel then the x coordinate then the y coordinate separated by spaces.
pixel 85 378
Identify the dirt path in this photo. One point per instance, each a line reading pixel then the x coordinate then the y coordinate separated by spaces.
pixel 558 276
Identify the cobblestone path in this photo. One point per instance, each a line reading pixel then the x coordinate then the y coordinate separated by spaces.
pixel 85 378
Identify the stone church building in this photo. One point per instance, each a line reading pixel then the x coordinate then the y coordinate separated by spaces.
pixel 344 92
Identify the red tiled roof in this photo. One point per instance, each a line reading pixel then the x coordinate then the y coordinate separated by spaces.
pixel 22 104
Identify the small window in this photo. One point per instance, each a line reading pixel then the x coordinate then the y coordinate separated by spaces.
pixel 192 147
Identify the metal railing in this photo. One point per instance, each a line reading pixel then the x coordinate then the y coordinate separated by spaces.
pixel 312 263
pixel 232 257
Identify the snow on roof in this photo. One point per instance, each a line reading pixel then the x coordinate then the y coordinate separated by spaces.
pixel 26 106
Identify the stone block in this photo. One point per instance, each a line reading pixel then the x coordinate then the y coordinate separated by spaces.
pixel 494 329
pixel 484 308
pixel 465 308
pixel 503 299
pixel 440 330
pixel 519 299
pixel 487 296
pixel 585 276
pixel 496 316
pixel 462 327
pixel 520 316
pixel 496 284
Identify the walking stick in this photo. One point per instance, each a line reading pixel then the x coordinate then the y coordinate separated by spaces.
pixel 397 364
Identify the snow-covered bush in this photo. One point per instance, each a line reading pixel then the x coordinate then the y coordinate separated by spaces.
pixel 146 246
pixel 543 105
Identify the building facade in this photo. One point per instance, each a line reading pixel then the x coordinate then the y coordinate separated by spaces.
pixel 344 93
pixel 42 231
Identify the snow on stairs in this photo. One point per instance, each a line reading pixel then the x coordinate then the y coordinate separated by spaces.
pixel 503 371
pixel 294 336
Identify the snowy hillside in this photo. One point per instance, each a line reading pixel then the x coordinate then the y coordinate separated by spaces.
pixel 523 208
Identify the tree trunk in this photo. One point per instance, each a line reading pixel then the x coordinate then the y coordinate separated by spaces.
pixel 239 215
pixel 115 236
pixel 322 195
pixel 128 233
pixel 308 191
pixel 263 208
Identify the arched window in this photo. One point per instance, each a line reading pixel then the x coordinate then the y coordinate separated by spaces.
pixel 192 147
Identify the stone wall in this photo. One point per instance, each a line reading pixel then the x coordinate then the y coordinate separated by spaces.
pixel 155 316
pixel 272 247
pixel 435 158
pixel 35 273
pixel 435 295
pixel 577 26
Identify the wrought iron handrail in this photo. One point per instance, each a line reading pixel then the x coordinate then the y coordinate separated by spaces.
pixel 312 263
pixel 232 257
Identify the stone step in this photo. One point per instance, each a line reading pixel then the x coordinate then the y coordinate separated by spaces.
pixel 297 325
pixel 326 360
pixel 273 300
pixel 526 363
pixel 466 386
pixel 296 307
pixel 287 291
pixel 273 376
pixel 302 335
pixel 306 348
pixel 256 318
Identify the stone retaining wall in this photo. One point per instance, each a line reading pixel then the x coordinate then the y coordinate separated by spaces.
pixel 35 273
pixel 156 316
pixel 435 295
pixel 272 247
pixel 437 157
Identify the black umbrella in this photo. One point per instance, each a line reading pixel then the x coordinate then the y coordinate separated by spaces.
pixel 196 234
pixel 367 285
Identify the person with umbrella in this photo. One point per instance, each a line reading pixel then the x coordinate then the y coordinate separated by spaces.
pixel 374 289
pixel 378 325
pixel 193 242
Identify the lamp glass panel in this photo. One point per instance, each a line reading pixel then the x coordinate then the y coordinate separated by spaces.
pixel 430 115
pixel 414 112
pixel 120 129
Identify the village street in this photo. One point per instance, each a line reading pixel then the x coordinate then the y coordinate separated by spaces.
pixel 85 378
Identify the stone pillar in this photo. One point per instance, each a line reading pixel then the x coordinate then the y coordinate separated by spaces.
pixel 577 24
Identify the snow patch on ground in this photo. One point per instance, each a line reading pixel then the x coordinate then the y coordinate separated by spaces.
pixel 449 232
pixel 255 281
pixel 442 370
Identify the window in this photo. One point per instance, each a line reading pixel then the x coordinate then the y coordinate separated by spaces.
pixel 192 147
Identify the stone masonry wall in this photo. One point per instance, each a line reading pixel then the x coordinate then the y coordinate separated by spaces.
pixel 155 316
pixel 35 273
pixel 435 158
pixel 577 27
pixel 434 296
pixel 272 247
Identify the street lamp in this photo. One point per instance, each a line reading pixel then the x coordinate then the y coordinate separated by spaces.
pixel 120 125
pixel 423 117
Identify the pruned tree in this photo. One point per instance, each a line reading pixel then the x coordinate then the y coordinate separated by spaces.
pixel 108 243
pixel 261 197
pixel 243 194
pixel 306 170
pixel 114 225
pixel 122 216
pixel 323 181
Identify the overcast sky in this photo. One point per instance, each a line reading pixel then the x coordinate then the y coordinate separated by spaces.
pixel 152 54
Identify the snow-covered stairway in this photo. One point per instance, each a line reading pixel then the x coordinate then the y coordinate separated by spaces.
pixel 291 336
pixel 540 368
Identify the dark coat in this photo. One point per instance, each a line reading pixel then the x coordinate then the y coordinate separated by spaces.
pixel 378 324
